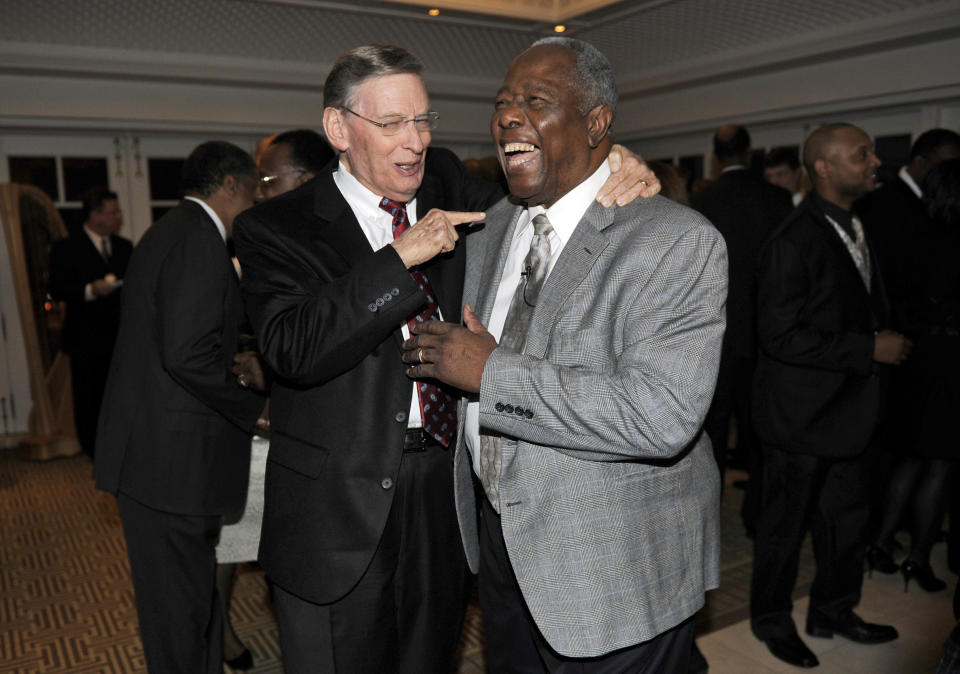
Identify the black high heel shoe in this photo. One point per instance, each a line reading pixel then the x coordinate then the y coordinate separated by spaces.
pixel 880 559
pixel 924 575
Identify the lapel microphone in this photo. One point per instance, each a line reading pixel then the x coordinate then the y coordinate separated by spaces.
pixel 526 271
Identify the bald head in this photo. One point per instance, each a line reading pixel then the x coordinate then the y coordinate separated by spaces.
pixel 731 145
pixel 840 162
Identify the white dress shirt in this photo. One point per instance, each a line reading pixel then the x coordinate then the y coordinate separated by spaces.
pixel 377 226
pixel 905 176
pixel 98 243
pixel 564 215
pixel 213 216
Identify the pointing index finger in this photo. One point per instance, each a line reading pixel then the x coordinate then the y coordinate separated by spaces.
pixel 461 217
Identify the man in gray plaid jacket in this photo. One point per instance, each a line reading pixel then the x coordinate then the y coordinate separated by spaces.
pixel 586 391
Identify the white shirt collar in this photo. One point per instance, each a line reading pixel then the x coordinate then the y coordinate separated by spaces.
pixel 905 176
pixel 568 210
pixel 733 167
pixel 213 216
pixel 365 204
pixel 96 238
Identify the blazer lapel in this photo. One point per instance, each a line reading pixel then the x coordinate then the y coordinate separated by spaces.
pixel 575 262
pixel 484 275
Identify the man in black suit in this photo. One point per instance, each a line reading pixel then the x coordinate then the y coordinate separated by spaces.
pixel 86 272
pixel 175 427
pixel 359 534
pixel 824 344
pixel 896 220
pixel 745 209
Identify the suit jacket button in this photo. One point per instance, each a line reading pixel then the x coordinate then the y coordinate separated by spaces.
pixel 386 483
pixel 498 407
pixel 372 306
pixel 528 414
pixel 400 416
pixel 379 301
pixel 387 297
pixel 508 408
pixel 519 411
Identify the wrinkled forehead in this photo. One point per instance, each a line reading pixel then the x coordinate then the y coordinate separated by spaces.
pixel 385 95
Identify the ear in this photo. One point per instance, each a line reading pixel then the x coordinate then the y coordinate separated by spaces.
pixel 230 185
pixel 820 168
pixel 335 128
pixel 598 124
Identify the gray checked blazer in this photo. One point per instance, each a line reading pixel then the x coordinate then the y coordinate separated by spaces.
pixel 609 494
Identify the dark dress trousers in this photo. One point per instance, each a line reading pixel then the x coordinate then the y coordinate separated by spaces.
pixel 363 534
pixel 174 441
pixel 816 402
pixel 90 328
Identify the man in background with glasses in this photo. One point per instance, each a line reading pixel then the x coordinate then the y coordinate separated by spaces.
pixel 359 533
pixel 291 159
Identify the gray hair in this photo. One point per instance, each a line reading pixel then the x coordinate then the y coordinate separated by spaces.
pixel 361 63
pixel 594 80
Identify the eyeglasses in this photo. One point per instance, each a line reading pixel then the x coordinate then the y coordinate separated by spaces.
pixel 395 125
pixel 266 180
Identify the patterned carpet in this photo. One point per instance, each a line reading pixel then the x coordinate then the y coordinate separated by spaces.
pixel 66 601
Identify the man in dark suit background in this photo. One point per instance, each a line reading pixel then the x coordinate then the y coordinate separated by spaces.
pixel 175 427
pixel 745 209
pixel 86 272
pixel 359 534
pixel 823 322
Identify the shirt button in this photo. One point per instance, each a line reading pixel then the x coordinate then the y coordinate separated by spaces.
pixel 498 407
pixel 372 306
pixel 400 416
pixel 508 409
pixel 386 483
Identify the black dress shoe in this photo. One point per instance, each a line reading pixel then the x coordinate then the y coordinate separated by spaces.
pixel 242 662
pixel 792 650
pixel 851 626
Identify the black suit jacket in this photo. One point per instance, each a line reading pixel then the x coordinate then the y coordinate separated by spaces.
pixel 89 327
pixel 817 390
pixel 745 209
pixel 327 311
pixel 174 430
pixel 899 230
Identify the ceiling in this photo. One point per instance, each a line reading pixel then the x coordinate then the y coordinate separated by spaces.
pixel 653 44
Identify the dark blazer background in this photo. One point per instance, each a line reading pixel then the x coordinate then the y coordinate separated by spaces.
pixel 899 229
pixel 340 400
pixel 75 262
pixel 818 390
pixel 745 209
pixel 175 426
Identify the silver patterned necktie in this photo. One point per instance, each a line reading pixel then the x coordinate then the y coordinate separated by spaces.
pixel 514 336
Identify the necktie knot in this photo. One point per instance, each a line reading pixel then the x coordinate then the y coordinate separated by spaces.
pixel 541 225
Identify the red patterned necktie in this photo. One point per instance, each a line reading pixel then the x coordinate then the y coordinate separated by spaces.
pixel 438 409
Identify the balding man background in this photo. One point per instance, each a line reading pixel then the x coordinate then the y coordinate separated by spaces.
pixel 824 346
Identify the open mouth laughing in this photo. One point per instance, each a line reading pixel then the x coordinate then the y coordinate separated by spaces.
pixel 518 155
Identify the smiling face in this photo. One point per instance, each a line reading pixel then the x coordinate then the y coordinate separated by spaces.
pixel 390 166
pixel 850 164
pixel 545 145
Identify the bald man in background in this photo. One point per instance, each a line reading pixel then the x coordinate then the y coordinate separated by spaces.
pixel 824 351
